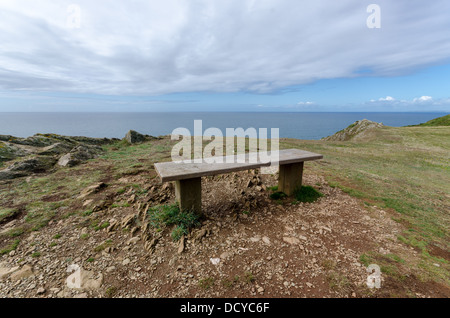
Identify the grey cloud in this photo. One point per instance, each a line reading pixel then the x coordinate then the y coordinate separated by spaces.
pixel 221 46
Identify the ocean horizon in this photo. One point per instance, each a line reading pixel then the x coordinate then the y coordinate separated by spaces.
pixel 305 125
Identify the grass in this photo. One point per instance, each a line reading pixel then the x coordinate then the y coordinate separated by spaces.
pixel 11 247
pixel 249 277
pixel 304 194
pixel 103 246
pixel 404 170
pixel 440 121
pixel 161 216
pixel 206 283
pixel 307 194
pixel 6 213
pixel 111 292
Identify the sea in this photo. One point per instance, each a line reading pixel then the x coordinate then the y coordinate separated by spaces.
pixel 298 125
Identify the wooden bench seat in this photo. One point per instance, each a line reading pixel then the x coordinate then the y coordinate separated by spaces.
pixel 187 175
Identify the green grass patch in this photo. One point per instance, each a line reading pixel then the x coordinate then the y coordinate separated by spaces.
pixel 440 121
pixel 103 246
pixel 7 214
pixel 206 283
pixel 278 195
pixel 10 247
pixel 307 194
pixel 161 216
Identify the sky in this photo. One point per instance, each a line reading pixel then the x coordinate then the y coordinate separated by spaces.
pixel 216 55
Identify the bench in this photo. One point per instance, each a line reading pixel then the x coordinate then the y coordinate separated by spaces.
pixel 187 174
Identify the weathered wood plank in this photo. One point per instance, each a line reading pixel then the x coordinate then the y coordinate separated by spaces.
pixel 290 177
pixel 188 193
pixel 173 171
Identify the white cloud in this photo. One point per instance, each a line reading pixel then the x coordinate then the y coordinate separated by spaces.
pixel 305 103
pixel 158 47
pixel 423 99
pixel 387 98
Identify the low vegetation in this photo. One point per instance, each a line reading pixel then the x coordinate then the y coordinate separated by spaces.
pixel 162 216
pixel 404 170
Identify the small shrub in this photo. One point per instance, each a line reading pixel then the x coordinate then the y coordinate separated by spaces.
pixel 278 195
pixel 111 291
pixel 169 215
pixel 36 254
pixel 249 278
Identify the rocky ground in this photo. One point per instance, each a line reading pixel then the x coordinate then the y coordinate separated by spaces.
pixel 247 245
pixel 273 250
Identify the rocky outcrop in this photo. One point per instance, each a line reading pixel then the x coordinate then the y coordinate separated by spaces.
pixel 355 131
pixel 23 168
pixel 133 137
pixel 78 155
pixel 41 152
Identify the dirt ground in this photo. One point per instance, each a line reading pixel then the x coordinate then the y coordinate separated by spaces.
pixel 248 245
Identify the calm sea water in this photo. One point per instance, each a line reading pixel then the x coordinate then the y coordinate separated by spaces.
pixel 291 125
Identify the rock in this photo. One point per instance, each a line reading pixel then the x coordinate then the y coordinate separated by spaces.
pixel 78 155
pixel 55 149
pixel 181 245
pixel 110 269
pixel 249 183
pixel 91 189
pixel 113 224
pixel 25 272
pixel 291 240
pixel 133 240
pixel 266 240
pixel 40 291
pixel 127 221
pixel 23 168
pixel 150 245
pixel 133 137
pixel 225 255
pixel 8 151
pixel 82 295
pixel 88 282
pixel 126 261
pixel 200 234
pixel 5 270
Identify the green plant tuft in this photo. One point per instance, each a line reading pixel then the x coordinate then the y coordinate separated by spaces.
pixel 307 194
pixel 168 215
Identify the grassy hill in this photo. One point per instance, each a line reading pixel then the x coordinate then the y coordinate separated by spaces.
pixel 440 121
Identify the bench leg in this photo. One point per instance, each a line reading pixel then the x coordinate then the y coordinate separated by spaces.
pixel 290 177
pixel 188 193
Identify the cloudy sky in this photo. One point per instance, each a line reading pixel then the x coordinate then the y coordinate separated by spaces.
pixel 233 55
